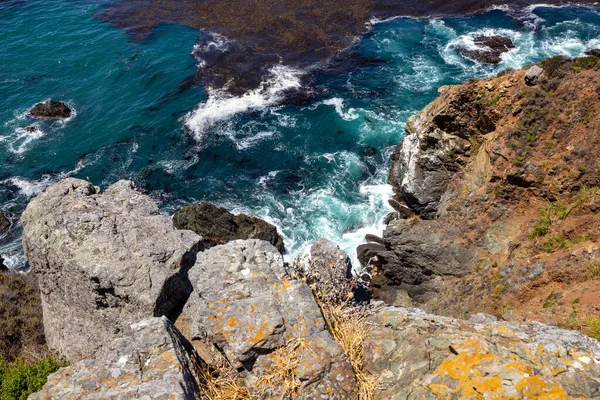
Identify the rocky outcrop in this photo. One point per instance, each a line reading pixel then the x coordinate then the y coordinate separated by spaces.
pixel 246 304
pixel 218 226
pixel 438 139
pixel 415 355
pixel 501 179
pixel 4 224
pixel 488 49
pixel 3 268
pixel 103 261
pixel 51 109
pixel 152 360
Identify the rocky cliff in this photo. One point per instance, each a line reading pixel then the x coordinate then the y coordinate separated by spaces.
pixel 142 311
pixel 497 195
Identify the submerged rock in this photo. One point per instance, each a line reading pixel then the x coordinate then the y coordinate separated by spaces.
pixel 489 49
pixel 103 261
pixel 422 356
pixel 152 360
pixel 218 226
pixel 247 305
pixel 51 109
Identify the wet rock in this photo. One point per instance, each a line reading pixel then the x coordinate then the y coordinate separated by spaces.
pixel 51 109
pixel 489 49
pixel 4 224
pixel 103 261
pixel 417 355
pixel 151 361
pixel 532 75
pixel 31 129
pixel 218 226
pixel 246 304
pixel 3 268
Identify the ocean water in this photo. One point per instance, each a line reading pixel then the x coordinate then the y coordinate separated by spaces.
pixel 314 169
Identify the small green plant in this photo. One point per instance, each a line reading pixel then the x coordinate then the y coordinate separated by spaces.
pixel 593 324
pixel 584 63
pixel 493 101
pixel 556 243
pixel 549 145
pixel 548 215
pixel 19 379
pixel 592 269
pixel 550 301
pixel 530 138
pixel 569 112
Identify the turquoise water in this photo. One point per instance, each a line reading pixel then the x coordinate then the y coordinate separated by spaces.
pixel 314 170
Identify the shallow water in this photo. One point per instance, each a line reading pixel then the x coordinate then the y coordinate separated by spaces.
pixel 315 169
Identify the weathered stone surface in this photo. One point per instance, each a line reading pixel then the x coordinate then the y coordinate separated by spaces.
pixel 218 226
pixel 249 307
pixel 419 356
pixel 51 109
pixel 151 361
pixel 532 75
pixel 4 224
pixel 103 261
pixel 489 49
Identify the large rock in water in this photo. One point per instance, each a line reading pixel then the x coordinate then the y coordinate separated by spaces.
pixel 248 306
pixel 151 361
pixel 218 226
pixel 103 261
pixel 419 356
pixel 51 109
pixel 488 49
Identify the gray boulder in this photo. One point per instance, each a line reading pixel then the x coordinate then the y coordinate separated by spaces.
pixel 532 75
pixel 151 361
pixel 244 301
pixel 103 261
pixel 218 226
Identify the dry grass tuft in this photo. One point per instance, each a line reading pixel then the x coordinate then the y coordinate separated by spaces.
pixel 221 384
pixel 281 377
pixel 349 328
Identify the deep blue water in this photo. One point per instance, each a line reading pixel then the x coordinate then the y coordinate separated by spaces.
pixel 310 169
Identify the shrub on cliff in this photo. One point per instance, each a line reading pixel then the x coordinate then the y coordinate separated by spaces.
pixel 21 326
pixel 20 379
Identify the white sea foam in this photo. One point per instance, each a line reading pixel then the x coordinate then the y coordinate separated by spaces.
pixel 215 43
pixel 221 106
pixel 338 104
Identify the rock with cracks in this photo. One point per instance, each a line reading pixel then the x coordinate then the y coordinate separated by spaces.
pixel 247 305
pixel 103 261
pixel 151 361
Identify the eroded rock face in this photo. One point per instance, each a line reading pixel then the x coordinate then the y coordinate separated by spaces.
pixel 431 152
pixel 489 49
pixel 414 258
pixel 51 109
pixel 248 306
pixel 533 75
pixel 152 360
pixel 421 356
pixel 103 261
pixel 218 226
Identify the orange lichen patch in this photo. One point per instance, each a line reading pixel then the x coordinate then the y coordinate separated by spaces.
pixel 252 308
pixel 469 346
pixel 441 391
pixel 503 330
pixel 169 357
pixel 231 322
pixel 462 368
pixel 260 333
pixel 492 387
pixel 535 387
pixel 519 366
